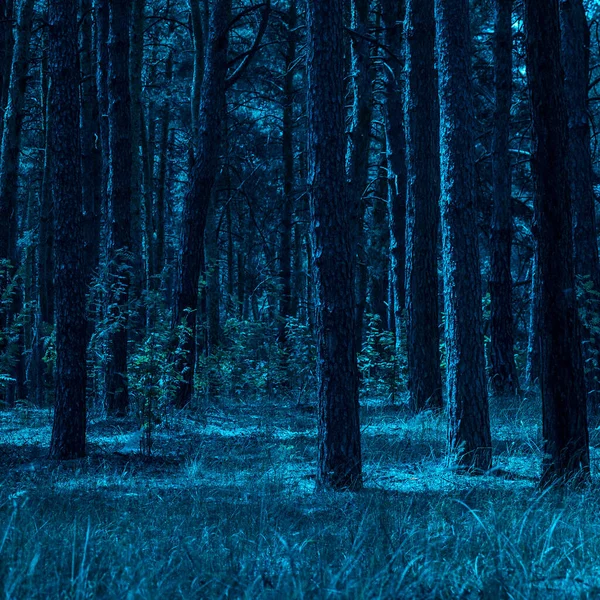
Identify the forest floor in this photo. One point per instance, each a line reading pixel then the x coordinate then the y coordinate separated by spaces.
pixel 226 508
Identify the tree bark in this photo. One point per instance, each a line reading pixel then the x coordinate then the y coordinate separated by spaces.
pixel 470 435
pixel 119 202
pixel 562 383
pixel 69 429
pixel 576 62
pixel 392 16
pixel 339 461
pixel 203 175
pixel 359 144
pixel 422 215
pixel 503 371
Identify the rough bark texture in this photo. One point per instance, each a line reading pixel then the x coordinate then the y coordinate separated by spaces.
pixel 562 383
pixel 392 14
pixel 90 151
pixel 197 199
pixel 119 201
pixel 68 431
pixel 470 434
pixel 503 372
pixel 576 62
pixel 359 143
pixel 422 218
pixel 339 462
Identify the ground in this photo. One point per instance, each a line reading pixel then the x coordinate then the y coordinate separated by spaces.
pixel 226 507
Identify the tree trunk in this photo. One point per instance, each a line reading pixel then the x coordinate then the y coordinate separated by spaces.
pixel 90 155
pixel 503 372
pixel 9 180
pixel 136 61
pixel 422 214
pixel 562 383
pixel 576 62
pixel 339 462
pixel 68 431
pixel 119 202
pixel 392 15
pixel 287 140
pixel 197 199
pixel 359 144
pixel 470 434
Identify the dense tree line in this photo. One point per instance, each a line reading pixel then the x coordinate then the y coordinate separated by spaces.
pixel 204 200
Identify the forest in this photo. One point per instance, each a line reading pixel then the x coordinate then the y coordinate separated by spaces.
pixel 299 299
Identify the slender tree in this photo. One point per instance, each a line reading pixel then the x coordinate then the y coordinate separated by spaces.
pixel 68 431
pixel 119 202
pixel 576 63
pixel 422 137
pixel 287 140
pixel 562 384
pixel 203 175
pixel 339 463
pixel 359 144
pixel 392 15
pixel 470 433
pixel 503 371
pixel 9 188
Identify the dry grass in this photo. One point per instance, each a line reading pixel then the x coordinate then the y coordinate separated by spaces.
pixel 226 508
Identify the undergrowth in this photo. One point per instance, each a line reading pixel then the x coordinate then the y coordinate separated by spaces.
pixel 226 508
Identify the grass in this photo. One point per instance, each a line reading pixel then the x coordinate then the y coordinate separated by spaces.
pixel 226 508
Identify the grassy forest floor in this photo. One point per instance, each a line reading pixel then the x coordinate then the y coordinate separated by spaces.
pixel 226 508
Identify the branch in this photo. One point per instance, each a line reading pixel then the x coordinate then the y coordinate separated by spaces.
pixel 241 69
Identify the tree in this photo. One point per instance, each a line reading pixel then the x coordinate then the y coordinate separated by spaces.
pixel 359 144
pixel 470 433
pixel 68 431
pixel 339 462
pixel 562 384
pixel 392 15
pixel 503 372
pixel 9 179
pixel 576 62
pixel 203 176
pixel 422 218
pixel 204 171
pixel 119 202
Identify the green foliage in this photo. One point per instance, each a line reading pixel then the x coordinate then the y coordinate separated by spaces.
pixel 153 377
pixel 378 362
pixel 589 313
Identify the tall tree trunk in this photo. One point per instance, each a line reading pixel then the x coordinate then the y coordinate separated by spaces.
pixel 339 462
pixel 470 435
pixel 90 155
pixel 503 371
pixel 6 51
pixel 576 62
pixel 119 202
pixel 101 21
pixel 68 431
pixel 198 39
pixel 562 383
pixel 136 61
pixel 163 161
pixel 392 15
pixel 9 180
pixel 287 140
pixel 422 215
pixel 197 199
pixel 359 143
